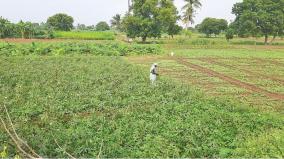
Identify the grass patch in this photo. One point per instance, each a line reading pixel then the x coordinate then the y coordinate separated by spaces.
pixel 85 35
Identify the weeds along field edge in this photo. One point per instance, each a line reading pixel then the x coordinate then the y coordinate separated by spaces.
pixel 103 105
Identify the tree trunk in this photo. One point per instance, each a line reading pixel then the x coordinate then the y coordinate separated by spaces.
pixel 23 34
pixel 266 40
pixel 274 36
pixel 144 39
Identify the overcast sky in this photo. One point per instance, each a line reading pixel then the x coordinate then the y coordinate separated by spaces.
pixel 92 11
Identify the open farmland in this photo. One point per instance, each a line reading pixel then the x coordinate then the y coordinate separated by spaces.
pixel 104 107
pixel 255 79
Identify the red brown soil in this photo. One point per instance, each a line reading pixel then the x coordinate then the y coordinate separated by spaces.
pixel 231 80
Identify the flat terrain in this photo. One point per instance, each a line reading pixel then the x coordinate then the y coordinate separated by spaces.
pixel 255 79
pixel 94 99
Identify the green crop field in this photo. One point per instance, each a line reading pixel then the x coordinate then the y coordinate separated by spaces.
pixel 142 79
pixel 94 99
pixel 85 35
pixel 104 107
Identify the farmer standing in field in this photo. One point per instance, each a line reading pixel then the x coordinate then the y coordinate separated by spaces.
pixel 153 73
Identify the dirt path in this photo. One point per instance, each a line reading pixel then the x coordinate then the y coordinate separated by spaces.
pixel 231 80
pixel 212 61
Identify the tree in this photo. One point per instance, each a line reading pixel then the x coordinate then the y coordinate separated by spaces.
pixel 7 29
pixel 150 18
pixel 61 21
pixel 259 17
pixel 229 34
pixel 174 30
pixel 189 10
pixel 116 22
pixel 211 26
pixel 102 26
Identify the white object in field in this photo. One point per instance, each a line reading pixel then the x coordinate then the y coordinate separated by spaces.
pixel 153 73
pixel 172 53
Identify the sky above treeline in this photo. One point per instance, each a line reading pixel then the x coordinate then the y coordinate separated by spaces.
pixel 90 12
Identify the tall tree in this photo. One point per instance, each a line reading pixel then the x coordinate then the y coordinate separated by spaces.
pixel 61 21
pixel 260 17
pixel 149 18
pixel 189 10
pixel 116 22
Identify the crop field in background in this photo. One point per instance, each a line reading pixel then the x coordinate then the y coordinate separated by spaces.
pixel 86 35
pixel 254 79
pixel 105 107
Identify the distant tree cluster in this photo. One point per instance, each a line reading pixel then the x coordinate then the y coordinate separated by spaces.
pixel 101 26
pixel 24 29
pixel 212 26
pixel 259 18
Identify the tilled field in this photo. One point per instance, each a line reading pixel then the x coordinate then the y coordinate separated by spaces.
pixel 258 82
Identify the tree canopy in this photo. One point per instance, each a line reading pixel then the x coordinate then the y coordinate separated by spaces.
pixel 116 22
pixel 259 17
pixel 102 26
pixel 61 22
pixel 211 26
pixel 189 10
pixel 149 18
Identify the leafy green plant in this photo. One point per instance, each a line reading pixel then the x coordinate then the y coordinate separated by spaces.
pixel 108 49
pixel 103 106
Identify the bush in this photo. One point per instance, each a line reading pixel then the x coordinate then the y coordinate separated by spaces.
pixel 229 34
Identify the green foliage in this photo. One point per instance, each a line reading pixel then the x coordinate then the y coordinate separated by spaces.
pixel 93 105
pixel 83 27
pixel 150 18
pixel 268 145
pixel 7 29
pixel 211 26
pixel 189 11
pixel 24 30
pixel 4 153
pixel 116 22
pixel 61 22
pixel 85 35
pixel 174 30
pixel 229 34
pixel 264 17
pixel 187 33
pixel 102 26
pixel 73 48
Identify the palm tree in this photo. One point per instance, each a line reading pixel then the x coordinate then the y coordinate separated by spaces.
pixel 189 10
pixel 130 3
pixel 116 21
